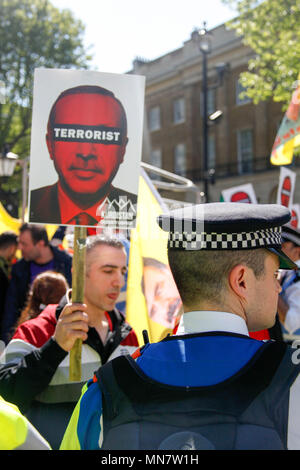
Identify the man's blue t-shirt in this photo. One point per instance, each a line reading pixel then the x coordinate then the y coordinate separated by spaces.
pixel 36 269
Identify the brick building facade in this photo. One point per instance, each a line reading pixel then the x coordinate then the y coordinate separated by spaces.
pixel 239 144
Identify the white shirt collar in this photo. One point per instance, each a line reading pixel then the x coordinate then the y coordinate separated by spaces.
pixel 204 321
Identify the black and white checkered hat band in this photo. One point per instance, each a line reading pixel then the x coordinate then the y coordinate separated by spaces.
pixel 226 241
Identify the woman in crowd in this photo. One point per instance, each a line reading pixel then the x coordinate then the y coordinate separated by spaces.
pixel 47 288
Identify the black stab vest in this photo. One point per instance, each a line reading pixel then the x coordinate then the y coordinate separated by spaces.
pixel 247 411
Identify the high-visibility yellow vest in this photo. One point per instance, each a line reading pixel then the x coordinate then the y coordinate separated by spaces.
pixel 16 432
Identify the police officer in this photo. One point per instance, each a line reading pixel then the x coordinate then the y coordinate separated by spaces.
pixel 289 299
pixel 210 386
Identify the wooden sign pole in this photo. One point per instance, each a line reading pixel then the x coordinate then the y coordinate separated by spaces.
pixel 78 280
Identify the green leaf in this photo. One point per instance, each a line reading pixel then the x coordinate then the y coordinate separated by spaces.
pixel 271 29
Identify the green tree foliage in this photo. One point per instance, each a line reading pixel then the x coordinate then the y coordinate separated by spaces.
pixel 33 33
pixel 272 29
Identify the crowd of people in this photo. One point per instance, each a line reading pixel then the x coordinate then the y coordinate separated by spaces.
pixel 226 378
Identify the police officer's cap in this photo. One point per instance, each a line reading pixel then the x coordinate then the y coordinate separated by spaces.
pixel 228 226
pixel 291 234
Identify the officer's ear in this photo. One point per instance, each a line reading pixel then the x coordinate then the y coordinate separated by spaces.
pixel 239 281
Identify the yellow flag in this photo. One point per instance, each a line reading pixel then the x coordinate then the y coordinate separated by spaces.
pixel 7 222
pixel 288 136
pixel 152 302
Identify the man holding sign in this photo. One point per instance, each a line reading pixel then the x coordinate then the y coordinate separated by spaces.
pixel 86 139
pixel 35 365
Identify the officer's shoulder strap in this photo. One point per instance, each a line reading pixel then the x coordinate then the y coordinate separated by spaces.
pixel 123 372
pixel 106 381
pixel 113 397
pixel 123 377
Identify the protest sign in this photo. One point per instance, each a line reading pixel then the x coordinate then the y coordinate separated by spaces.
pixel 295 215
pixel 286 187
pixel 153 302
pixel 86 146
pixel 288 135
pixel 242 193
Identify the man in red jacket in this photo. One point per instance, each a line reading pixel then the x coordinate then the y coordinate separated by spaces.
pixel 35 373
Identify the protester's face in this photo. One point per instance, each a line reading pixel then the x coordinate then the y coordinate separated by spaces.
pixel 105 276
pixel 262 308
pixel 83 166
pixel 161 294
pixel 30 250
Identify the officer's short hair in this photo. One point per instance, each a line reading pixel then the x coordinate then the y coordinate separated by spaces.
pixel 201 275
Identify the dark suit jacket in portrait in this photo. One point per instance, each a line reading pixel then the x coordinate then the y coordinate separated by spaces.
pixel 44 204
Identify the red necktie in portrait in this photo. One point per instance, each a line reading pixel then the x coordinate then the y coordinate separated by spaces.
pixel 83 219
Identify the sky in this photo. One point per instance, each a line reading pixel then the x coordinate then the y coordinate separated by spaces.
pixel 121 30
